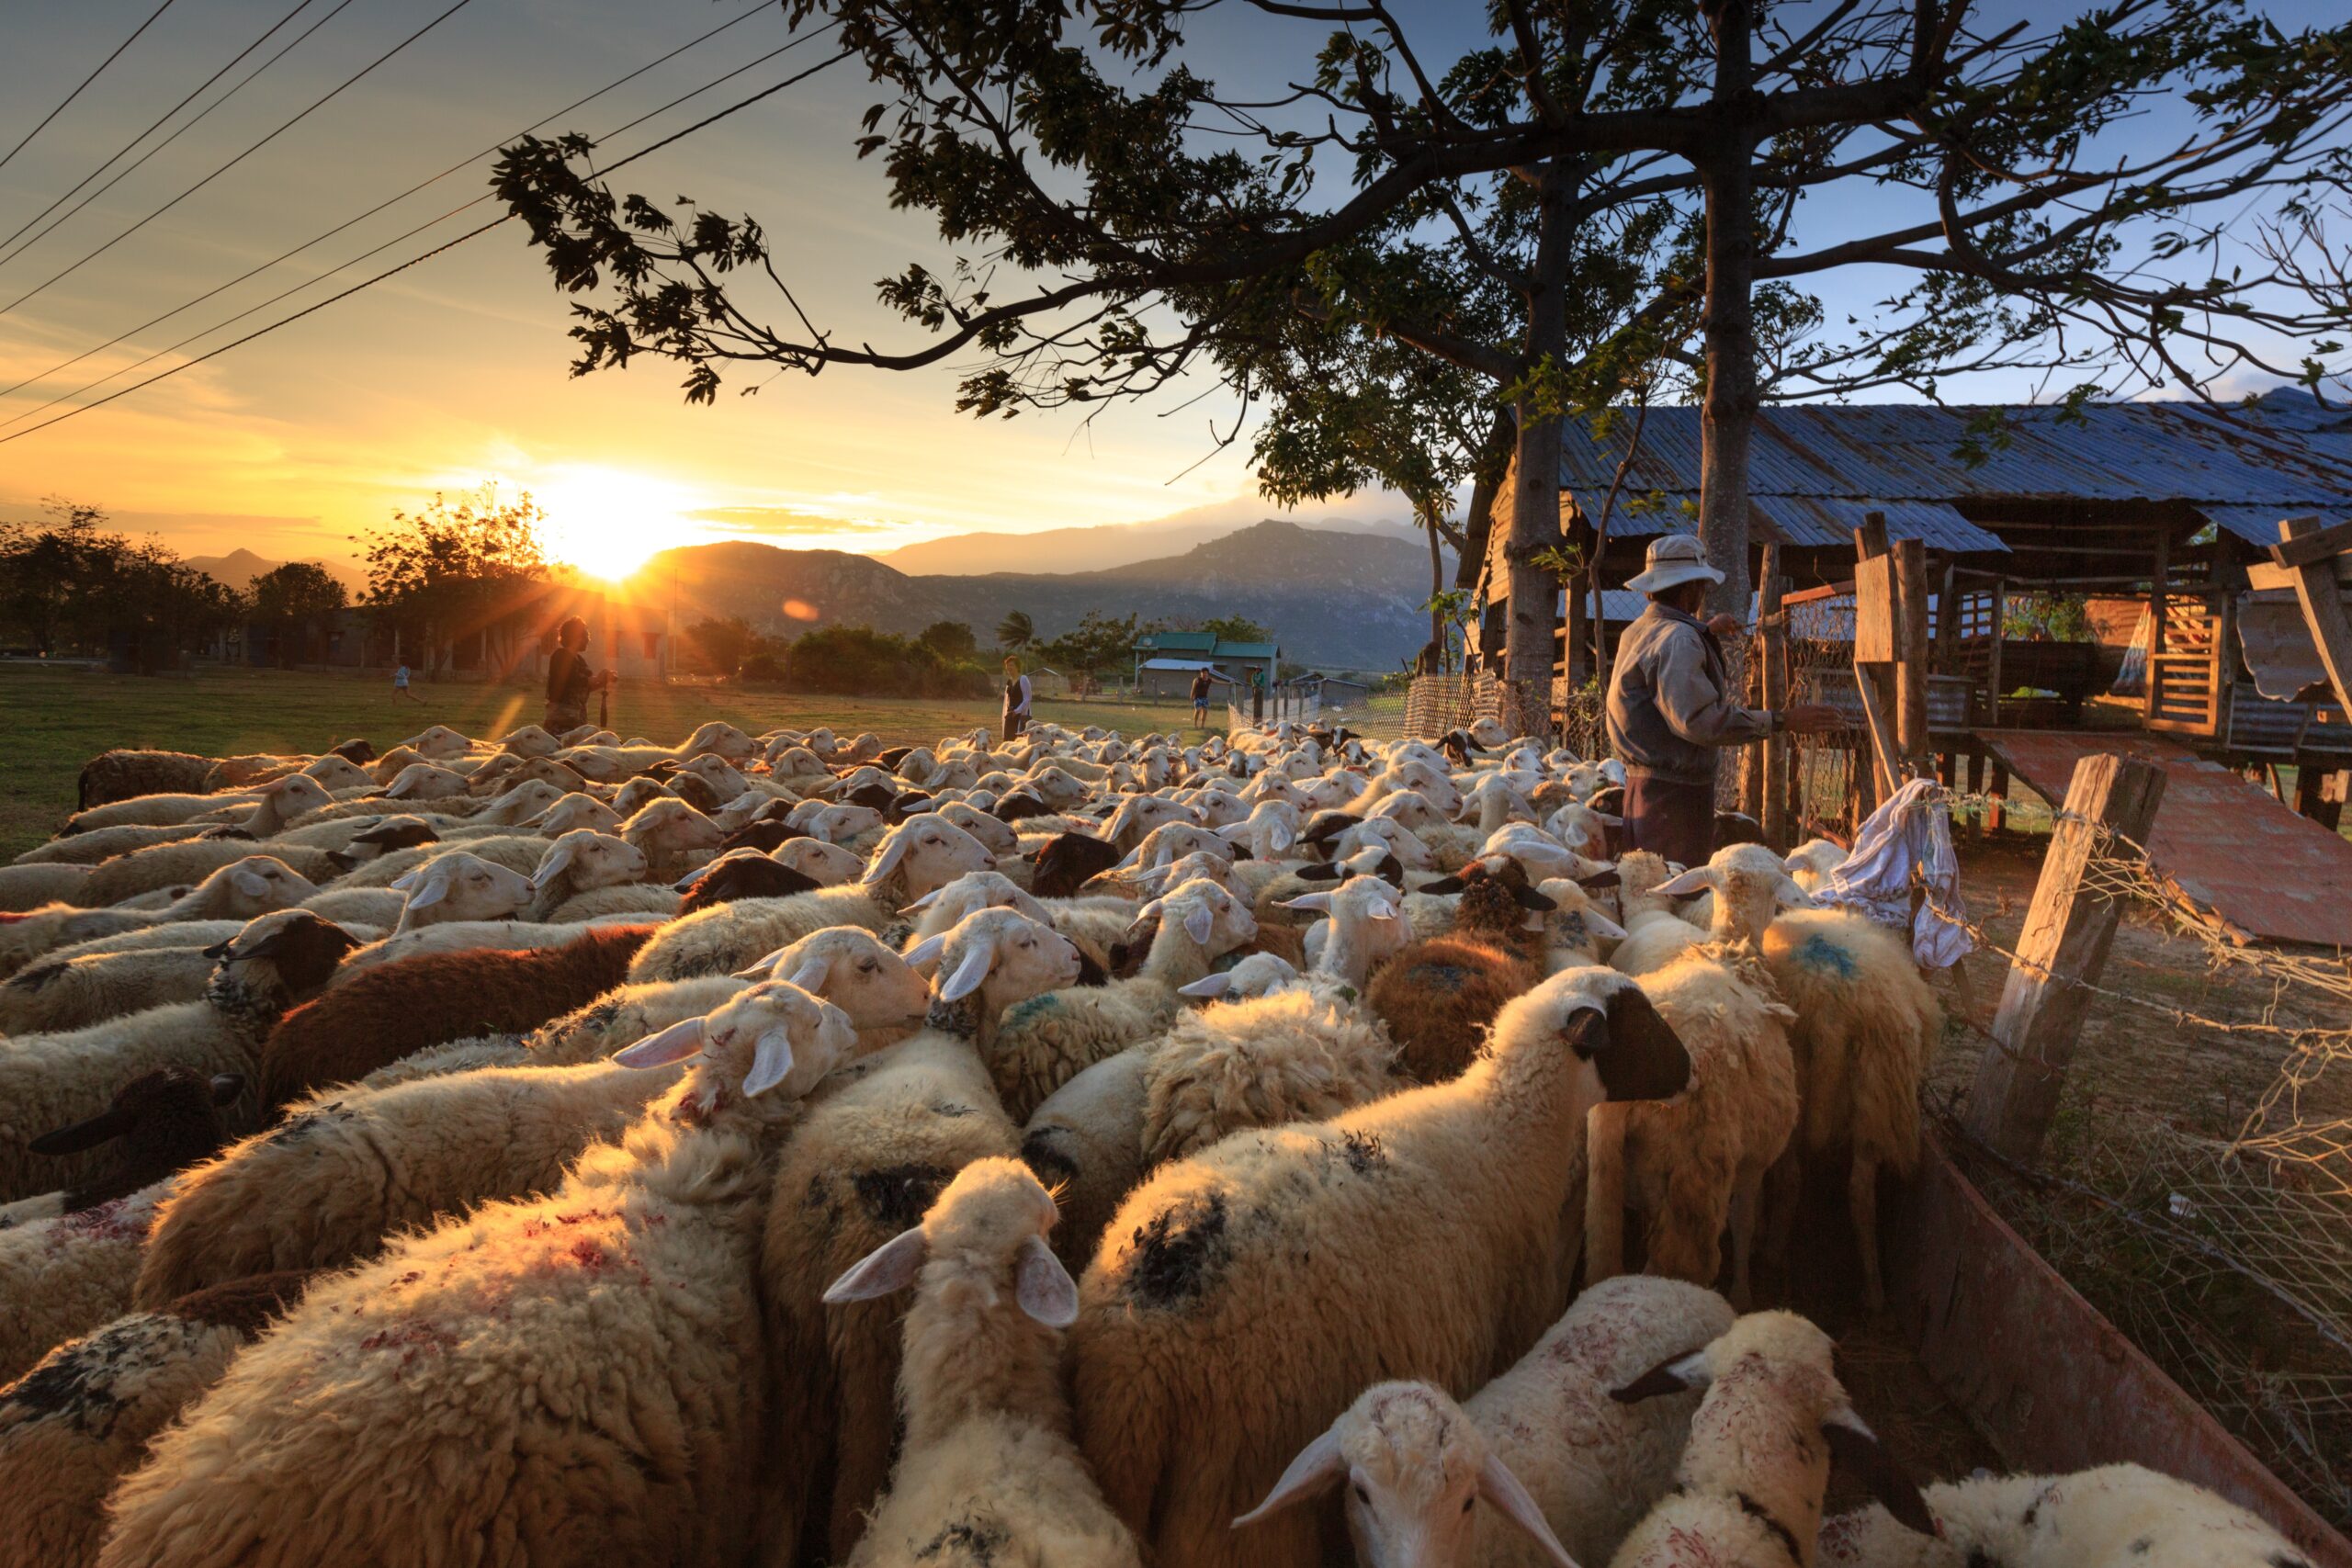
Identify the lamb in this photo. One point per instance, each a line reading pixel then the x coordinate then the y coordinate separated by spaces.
pixel 1865 1024
pixel 1566 1471
pixel 397 1009
pixel 344 1173
pixel 580 862
pixel 1811 862
pixel 1046 1041
pixel 242 889
pixel 925 851
pixel 875 1150
pixel 50 1081
pixel 1696 1165
pixel 1243 1297
pixel 1366 928
pixel 158 1124
pixel 459 885
pixel 82 1419
pixel 2117 1516
pixel 399 1366
pixel 989 1455
pixel 1749 1488
pixel 1437 996
pixel 1657 936
pixel 119 774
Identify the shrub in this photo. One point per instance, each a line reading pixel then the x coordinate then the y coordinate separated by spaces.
pixel 860 661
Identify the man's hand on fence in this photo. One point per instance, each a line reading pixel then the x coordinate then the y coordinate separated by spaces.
pixel 1811 718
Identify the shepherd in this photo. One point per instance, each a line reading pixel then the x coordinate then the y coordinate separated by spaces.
pixel 570 680
pixel 1672 707
pixel 1016 700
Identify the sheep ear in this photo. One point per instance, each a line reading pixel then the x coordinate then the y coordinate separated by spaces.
pixel 553 862
pixel 1331 872
pixel 1793 897
pixel 1502 1490
pixel 1856 1447
pixel 885 861
pixel 1281 838
pixel 1601 925
pixel 1043 1286
pixel 674 1043
pixel 1215 985
pixel 431 892
pixel 1528 898
pixel 1315 1470
pixel 888 1269
pixel 406 880
pixel 1643 1058
pixel 927 951
pixel 109 1123
pixel 1200 924
pixel 1606 820
pixel 1310 903
pixel 770 1062
pixel 970 974
pixel 1674 1375
pixel 1442 885
pixel 810 976
pixel 922 903
pixel 1607 878
pixel 1697 880
pixel 252 884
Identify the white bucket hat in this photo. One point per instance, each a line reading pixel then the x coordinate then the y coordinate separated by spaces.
pixel 1673 558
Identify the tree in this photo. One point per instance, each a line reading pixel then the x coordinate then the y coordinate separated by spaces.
pixel 1015 632
pixel 471 566
pixel 950 640
pixel 1235 628
pixel 721 645
pixel 1098 645
pixel 70 584
pixel 292 601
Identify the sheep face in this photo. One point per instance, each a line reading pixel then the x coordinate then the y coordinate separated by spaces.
pixel 276 958
pixel 944 908
pixel 1139 815
pixel 671 830
pixel 1206 913
pixel 439 743
pixel 460 886
pixel 1431 781
pixel 839 824
pixel 593 859
pixel 724 781
pixel 855 971
pixel 1408 808
pixel 997 838
pixel 773 1036
pixel 1416 1468
pixel 1539 855
pixel 530 741
pixel 926 851
pixel 334 773
pixel 826 865
pixel 721 740
pixel 296 793
pixel 253 886
pixel 574 811
pixel 1751 887
pixel 988 1229
pixel 637 795
pixel 1013 955
pixel 526 801
pixel 1384 836
pixel 424 781
pixel 1258 974
pixel 388 767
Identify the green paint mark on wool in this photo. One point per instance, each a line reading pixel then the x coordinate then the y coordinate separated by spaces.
pixel 1035 1007
pixel 1820 953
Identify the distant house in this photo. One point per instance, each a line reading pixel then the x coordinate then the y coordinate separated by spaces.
pixel 1239 662
pixel 1173 677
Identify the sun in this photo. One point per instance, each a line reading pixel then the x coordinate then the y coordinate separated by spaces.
pixel 606 521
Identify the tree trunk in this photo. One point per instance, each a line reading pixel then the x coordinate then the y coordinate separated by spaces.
pixel 1727 176
pixel 1535 495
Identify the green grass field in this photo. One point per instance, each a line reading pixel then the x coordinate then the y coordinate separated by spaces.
pixel 54 720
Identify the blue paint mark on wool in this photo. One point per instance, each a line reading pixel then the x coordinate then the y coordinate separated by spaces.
pixel 1021 1012
pixel 1820 953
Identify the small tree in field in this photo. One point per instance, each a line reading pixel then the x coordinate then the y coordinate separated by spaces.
pixel 950 640
pixel 293 602
pixel 459 568
pixel 721 644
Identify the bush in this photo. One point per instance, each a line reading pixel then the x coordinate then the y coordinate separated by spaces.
pixel 762 667
pixel 858 661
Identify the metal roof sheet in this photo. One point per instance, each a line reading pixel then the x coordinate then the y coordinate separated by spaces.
pixel 1816 465
pixel 1246 650
pixel 1189 642
pixel 2259 525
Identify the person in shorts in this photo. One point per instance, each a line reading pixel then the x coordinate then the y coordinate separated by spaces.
pixel 399 685
pixel 1202 681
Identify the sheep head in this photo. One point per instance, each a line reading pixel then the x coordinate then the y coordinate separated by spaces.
pixel 988 1231
pixel 772 1036
pixel 925 851
pixel 854 970
pixel 456 886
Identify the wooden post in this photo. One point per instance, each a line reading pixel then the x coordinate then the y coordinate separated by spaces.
pixel 1772 649
pixel 2155 698
pixel 2063 947
pixel 1911 651
pixel 1877 644
pixel 1946 661
pixel 1575 661
pixel 2316 592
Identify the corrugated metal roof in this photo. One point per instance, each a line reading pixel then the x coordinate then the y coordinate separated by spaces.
pixel 1812 466
pixel 2259 525
pixel 1188 642
pixel 1245 649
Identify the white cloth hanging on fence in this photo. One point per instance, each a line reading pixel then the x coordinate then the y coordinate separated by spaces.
pixel 1912 830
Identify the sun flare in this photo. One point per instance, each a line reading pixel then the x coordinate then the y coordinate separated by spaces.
pixel 607 521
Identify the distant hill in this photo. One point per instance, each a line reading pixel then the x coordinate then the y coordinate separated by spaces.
pixel 238 568
pixel 1100 548
pixel 1335 599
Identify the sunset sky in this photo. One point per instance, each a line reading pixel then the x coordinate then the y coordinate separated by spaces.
pixel 455 373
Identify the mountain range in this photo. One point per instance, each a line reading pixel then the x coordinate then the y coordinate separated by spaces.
pixel 1334 598
pixel 1104 546
pixel 238 568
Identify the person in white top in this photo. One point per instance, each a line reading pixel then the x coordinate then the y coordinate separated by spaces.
pixel 1016 699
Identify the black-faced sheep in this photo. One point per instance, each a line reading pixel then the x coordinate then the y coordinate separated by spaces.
pixel 159 1123
pixel 637 1273
pixel 1197 1369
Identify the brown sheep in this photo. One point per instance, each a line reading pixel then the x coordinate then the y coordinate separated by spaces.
pixel 1437 996
pixel 407 1006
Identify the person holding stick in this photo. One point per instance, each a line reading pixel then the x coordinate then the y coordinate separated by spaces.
pixel 570 680
pixel 1016 700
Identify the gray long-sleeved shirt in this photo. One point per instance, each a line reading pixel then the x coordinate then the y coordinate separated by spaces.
pixel 1670 702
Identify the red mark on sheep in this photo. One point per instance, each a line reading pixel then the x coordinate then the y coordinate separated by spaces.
pixel 115 1220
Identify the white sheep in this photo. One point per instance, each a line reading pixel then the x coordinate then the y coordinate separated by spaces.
pixel 2117 1516
pixel 1365 928
pixel 594 1355
pixel 56 993
pixel 50 1080
pixel 1811 862
pixel 254 885
pixel 1749 1488
pixel 457 885
pixel 1245 1296
pixel 24 887
pixel 1043 1042
pixel 1564 1470
pixel 581 861
pixel 674 837
pixel 65 1275
pixel 989 1455
pixel 1695 1166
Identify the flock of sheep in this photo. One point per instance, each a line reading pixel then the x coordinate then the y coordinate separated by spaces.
pixel 1067 1152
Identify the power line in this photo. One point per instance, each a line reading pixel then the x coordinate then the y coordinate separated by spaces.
pixel 289 255
pixel 299 5
pixel 93 76
pixel 191 123
pixel 455 7
pixel 438 249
